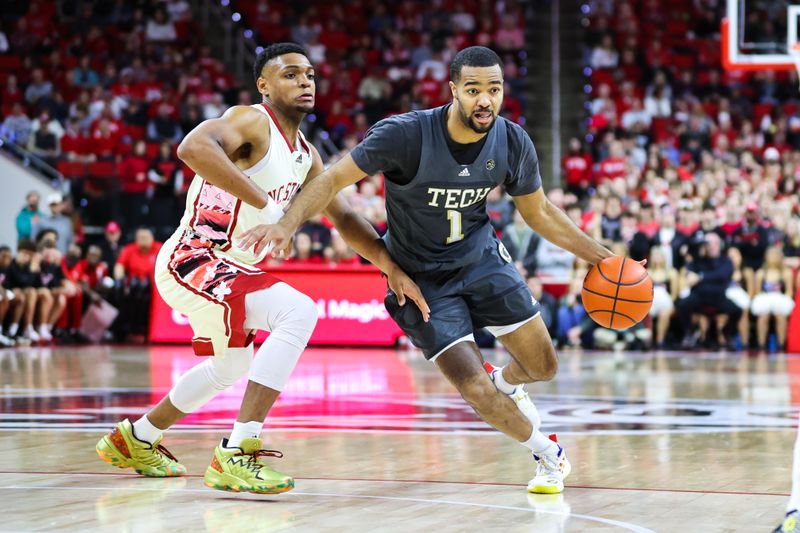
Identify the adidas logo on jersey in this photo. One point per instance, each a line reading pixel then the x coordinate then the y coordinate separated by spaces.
pixel 299 159
pixel 464 172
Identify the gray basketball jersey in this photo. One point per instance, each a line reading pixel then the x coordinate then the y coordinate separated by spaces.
pixel 438 221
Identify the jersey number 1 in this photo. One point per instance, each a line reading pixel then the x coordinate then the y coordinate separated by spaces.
pixel 455 226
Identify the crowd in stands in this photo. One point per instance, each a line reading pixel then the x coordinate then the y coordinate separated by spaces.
pixel 51 281
pixel 695 169
pixel 103 91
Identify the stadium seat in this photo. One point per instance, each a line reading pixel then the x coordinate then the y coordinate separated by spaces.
pixel 72 169
pixel 102 169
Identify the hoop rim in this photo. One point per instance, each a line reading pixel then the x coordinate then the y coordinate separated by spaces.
pixel 729 64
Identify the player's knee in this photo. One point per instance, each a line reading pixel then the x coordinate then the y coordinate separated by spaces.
pixel 306 310
pixel 299 323
pixel 476 391
pixel 549 365
pixel 226 370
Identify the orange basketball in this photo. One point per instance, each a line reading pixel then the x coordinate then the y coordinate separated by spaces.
pixel 617 292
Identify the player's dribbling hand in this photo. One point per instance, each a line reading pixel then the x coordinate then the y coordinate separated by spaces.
pixel 262 234
pixel 403 287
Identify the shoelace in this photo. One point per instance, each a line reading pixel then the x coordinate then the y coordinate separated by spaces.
pixel 165 452
pixel 262 453
pixel 548 466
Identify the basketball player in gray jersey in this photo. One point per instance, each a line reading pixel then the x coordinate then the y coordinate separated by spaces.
pixel 439 165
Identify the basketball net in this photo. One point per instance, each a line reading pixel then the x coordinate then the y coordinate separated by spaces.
pixel 794 52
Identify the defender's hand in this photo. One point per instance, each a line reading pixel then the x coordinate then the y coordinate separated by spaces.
pixel 263 234
pixel 286 251
pixel 403 287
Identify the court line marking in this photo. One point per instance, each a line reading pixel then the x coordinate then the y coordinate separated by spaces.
pixel 624 525
pixel 487 432
pixel 428 481
pixel 388 397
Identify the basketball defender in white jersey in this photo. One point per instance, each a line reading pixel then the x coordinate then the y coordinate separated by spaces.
pixel 249 163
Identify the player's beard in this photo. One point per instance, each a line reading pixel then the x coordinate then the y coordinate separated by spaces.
pixel 469 121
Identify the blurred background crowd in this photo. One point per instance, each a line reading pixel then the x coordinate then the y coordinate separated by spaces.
pixel 679 162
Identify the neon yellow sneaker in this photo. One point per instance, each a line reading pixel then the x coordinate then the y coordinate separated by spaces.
pixel 790 523
pixel 241 470
pixel 551 471
pixel 122 449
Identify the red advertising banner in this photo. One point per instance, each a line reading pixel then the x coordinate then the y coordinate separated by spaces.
pixel 349 304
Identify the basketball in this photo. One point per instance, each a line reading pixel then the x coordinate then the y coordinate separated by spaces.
pixel 617 293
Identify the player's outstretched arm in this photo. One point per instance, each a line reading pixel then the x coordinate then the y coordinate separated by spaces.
pixel 362 237
pixel 209 148
pixel 312 199
pixel 554 225
pixel 318 193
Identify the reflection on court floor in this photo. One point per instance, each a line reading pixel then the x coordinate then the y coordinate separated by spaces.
pixel 658 442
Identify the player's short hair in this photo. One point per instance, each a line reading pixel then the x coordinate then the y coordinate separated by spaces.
pixel 272 51
pixel 4 248
pixel 473 56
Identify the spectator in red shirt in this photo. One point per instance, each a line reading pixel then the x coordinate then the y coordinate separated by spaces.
pixel 137 260
pixel 91 273
pixel 512 107
pixel 335 38
pixel 577 168
pixel 733 221
pixel 104 140
pixel 133 172
pixel 614 166
pixel 90 278
pixel 134 274
pixel 70 321
pixel 74 144
pixel 11 94
pixel 647 222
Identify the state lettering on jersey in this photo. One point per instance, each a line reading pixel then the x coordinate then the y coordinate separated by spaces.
pixel 456 198
pixel 284 192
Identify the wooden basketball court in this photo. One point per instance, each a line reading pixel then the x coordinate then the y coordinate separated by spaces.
pixel 667 442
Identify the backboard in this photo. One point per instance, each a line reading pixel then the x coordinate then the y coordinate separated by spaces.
pixel 761 35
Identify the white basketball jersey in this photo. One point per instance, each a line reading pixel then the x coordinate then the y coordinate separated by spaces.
pixel 214 218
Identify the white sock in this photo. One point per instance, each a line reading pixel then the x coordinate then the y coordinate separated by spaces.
pixel 500 382
pixel 44 328
pixel 539 444
pixel 12 330
pixel 145 431
pixel 244 430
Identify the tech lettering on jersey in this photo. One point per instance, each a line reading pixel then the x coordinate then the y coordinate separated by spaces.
pixel 456 198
